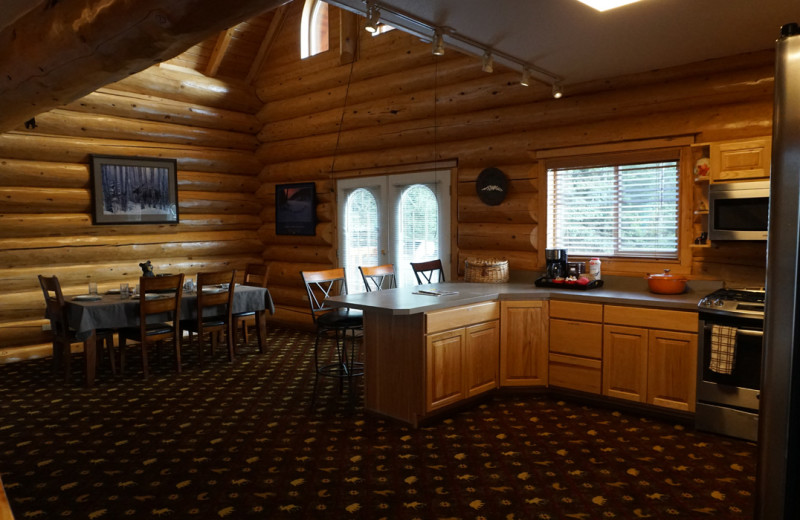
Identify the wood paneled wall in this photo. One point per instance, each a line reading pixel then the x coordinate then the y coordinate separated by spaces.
pixel 208 125
pixel 399 105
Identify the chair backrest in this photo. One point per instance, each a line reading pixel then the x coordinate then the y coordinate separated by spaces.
pixel 169 290
pixel 56 308
pixel 321 285
pixel 255 275
pixel 210 294
pixel 426 271
pixel 378 277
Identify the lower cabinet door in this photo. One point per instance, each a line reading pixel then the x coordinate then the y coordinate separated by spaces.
pixel 481 358
pixel 444 368
pixel 524 343
pixel 625 362
pixel 671 380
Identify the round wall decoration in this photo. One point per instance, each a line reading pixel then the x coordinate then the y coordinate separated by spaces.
pixel 492 186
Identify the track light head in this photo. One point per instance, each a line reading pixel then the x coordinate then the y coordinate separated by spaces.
pixel 488 62
pixel 558 91
pixel 373 17
pixel 438 44
pixel 526 77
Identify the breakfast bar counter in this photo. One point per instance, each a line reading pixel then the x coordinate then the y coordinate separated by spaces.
pixel 425 352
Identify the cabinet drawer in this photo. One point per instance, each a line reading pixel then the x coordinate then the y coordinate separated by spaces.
pixel 575 373
pixel 446 319
pixel 685 321
pixel 577 338
pixel 576 311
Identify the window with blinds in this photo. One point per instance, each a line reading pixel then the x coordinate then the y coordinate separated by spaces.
pixel 362 229
pixel 615 209
pixel 417 218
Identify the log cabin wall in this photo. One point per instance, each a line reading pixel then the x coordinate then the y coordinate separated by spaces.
pixel 397 106
pixel 208 125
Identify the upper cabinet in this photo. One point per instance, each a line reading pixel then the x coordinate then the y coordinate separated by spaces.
pixel 740 160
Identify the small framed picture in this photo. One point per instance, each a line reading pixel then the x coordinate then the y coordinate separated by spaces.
pixel 295 209
pixel 134 190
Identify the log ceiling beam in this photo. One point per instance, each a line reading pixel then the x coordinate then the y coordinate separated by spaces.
pixel 62 51
pixel 220 48
pixel 266 43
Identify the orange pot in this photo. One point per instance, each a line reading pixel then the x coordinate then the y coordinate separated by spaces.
pixel 666 283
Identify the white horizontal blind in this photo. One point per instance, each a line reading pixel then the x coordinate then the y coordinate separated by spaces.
pixel 361 226
pixel 614 210
pixel 417 227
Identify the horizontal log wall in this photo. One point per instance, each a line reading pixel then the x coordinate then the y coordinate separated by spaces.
pixel 46 197
pixel 399 105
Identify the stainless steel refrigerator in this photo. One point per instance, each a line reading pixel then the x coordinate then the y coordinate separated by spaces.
pixel 778 491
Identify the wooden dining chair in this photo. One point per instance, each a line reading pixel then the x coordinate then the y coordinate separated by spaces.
pixel 159 318
pixel 430 271
pixel 255 275
pixel 378 277
pixel 214 310
pixel 63 336
pixel 335 323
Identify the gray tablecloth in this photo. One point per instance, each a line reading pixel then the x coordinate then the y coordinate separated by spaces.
pixel 113 312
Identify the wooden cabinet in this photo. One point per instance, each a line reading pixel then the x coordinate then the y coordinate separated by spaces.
pixel 672 369
pixel 625 362
pixel 650 356
pixel 576 345
pixel 461 361
pixel 740 160
pixel 523 343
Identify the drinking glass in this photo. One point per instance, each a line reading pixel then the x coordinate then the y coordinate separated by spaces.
pixel 92 287
pixel 124 291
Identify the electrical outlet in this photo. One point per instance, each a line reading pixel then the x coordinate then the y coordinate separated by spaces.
pixel 46 326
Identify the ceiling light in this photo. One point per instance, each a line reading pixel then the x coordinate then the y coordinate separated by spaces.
pixel 558 91
pixel 488 62
pixel 373 18
pixel 605 5
pixel 438 44
pixel 526 77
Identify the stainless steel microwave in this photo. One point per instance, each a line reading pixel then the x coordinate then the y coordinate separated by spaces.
pixel 738 210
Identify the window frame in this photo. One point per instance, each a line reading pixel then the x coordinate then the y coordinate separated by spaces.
pixel 308 29
pixel 627 265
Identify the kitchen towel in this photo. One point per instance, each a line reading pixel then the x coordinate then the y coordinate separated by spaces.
pixel 723 349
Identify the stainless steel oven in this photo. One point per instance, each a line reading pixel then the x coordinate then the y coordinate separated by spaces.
pixel 738 210
pixel 728 393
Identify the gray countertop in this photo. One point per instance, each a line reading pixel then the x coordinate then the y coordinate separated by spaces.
pixel 618 290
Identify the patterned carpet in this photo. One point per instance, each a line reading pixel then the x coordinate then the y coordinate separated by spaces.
pixel 241 441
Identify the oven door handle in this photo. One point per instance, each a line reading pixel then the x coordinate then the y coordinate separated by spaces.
pixel 748 332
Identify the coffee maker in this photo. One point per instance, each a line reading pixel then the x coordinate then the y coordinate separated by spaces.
pixel 556 263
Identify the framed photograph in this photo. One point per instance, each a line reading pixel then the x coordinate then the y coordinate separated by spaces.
pixel 295 211
pixel 134 190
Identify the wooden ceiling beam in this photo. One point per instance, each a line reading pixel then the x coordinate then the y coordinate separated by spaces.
pixel 266 43
pixel 220 48
pixel 61 51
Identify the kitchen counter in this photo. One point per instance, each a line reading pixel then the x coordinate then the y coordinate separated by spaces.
pixel 417 365
pixel 617 290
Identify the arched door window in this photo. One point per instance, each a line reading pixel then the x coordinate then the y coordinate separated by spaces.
pixel 412 223
pixel 314 28
pixel 361 226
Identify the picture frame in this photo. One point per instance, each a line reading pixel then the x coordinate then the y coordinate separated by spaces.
pixel 295 209
pixel 134 190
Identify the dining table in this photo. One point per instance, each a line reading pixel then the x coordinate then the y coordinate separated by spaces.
pixel 88 313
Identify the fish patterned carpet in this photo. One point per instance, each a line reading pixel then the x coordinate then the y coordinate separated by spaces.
pixel 241 440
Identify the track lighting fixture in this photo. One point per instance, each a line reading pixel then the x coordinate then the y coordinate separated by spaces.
pixel 373 17
pixel 488 62
pixel 438 43
pixel 557 91
pixel 526 77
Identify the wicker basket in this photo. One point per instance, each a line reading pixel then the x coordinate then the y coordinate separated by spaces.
pixel 489 270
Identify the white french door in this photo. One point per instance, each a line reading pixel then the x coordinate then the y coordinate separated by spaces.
pixel 393 219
